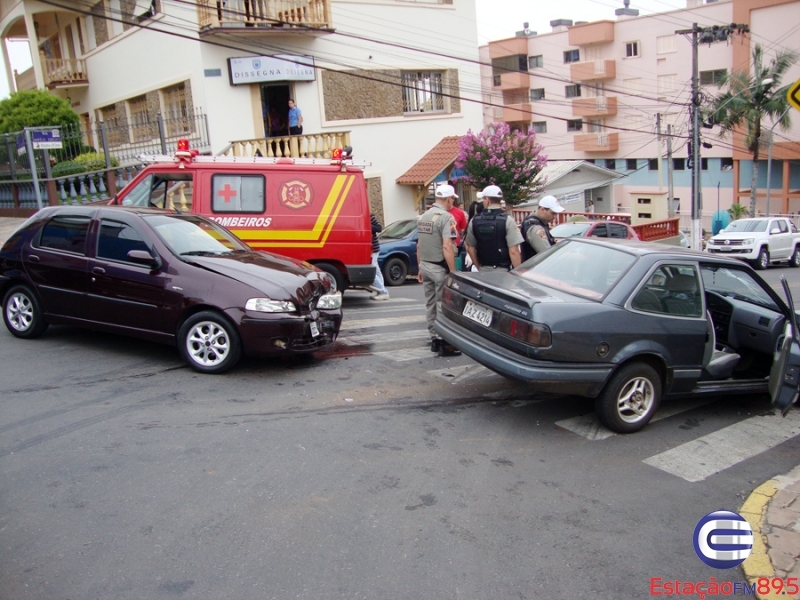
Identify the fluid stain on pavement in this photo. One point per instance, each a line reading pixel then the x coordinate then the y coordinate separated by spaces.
pixel 427 500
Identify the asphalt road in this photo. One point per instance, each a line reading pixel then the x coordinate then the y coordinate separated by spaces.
pixel 376 470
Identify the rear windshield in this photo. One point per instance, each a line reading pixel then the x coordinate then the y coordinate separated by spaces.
pixel 398 230
pixel 578 268
pixel 570 230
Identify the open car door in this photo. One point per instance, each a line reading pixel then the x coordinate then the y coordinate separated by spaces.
pixel 784 377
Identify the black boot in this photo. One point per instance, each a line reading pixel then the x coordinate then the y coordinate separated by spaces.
pixel 436 343
pixel 448 350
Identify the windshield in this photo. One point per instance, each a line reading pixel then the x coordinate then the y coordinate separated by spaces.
pixel 189 235
pixel 578 268
pixel 743 225
pixel 736 284
pixel 398 229
pixel 570 230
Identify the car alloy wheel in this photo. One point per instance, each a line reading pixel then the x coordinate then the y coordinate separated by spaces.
pixel 209 343
pixel 630 399
pixel 795 260
pixel 762 262
pixel 21 312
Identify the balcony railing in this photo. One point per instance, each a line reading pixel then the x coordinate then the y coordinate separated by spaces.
pixel 599 106
pixel 596 142
pixel 265 14
pixel 514 80
pixel 64 72
pixel 593 70
pixel 25 80
pixel 513 113
pixel 313 145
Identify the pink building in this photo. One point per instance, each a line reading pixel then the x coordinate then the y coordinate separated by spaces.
pixel 599 91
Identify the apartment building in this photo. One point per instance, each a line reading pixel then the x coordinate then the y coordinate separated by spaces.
pixel 360 71
pixel 600 91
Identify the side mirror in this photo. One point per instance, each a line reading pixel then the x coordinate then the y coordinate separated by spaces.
pixel 142 257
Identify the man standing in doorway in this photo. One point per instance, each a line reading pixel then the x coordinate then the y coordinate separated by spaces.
pixel 536 228
pixel 295 119
pixel 492 237
pixel 436 257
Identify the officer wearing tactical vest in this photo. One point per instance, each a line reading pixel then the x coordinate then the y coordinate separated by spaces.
pixel 436 257
pixel 536 228
pixel 492 236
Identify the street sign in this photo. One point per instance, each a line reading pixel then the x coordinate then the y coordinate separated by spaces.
pixel 46 139
pixel 793 95
pixel 21 145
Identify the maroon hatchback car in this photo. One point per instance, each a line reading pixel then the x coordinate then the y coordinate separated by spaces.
pixel 167 277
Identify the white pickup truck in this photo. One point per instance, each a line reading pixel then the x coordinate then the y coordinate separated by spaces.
pixel 760 241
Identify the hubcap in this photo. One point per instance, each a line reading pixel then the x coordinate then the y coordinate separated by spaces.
pixel 635 400
pixel 19 312
pixel 208 343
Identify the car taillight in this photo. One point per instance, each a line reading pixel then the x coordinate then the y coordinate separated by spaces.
pixel 534 334
pixel 448 297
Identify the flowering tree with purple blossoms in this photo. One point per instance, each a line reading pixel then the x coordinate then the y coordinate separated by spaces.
pixel 509 159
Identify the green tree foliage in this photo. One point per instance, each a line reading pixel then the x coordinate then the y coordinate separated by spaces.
pixel 34 108
pixel 749 99
pixel 509 159
pixel 738 211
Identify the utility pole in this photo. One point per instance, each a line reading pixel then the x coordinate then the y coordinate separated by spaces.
pixel 704 35
pixel 670 190
pixel 660 159
pixel 697 194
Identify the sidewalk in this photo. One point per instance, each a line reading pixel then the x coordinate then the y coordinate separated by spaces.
pixel 773 511
pixel 7 227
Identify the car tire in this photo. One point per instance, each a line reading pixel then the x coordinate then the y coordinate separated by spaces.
pixel 630 398
pixel 762 262
pixel 395 271
pixel 22 313
pixel 209 343
pixel 794 261
pixel 341 284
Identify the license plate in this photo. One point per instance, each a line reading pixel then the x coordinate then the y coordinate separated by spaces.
pixel 478 313
pixel 724 248
pixel 314 329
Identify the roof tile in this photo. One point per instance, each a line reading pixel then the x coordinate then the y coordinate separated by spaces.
pixel 441 156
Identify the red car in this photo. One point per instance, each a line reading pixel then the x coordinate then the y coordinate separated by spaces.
pixel 599 229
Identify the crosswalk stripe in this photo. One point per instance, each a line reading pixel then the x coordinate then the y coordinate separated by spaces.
pixel 590 427
pixel 696 460
pixel 349 325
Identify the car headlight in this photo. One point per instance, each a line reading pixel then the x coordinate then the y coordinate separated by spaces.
pixel 748 241
pixel 270 306
pixel 330 301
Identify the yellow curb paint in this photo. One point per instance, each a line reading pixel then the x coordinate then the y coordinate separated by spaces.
pixel 754 510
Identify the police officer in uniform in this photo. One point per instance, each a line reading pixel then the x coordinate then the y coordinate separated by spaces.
pixel 536 227
pixel 436 257
pixel 492 236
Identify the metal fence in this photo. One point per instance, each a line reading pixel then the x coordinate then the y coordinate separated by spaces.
pixel 73 174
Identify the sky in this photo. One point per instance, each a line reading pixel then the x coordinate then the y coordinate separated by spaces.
pixel 497 19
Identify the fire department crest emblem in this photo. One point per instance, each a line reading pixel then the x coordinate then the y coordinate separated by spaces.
pixel 296 194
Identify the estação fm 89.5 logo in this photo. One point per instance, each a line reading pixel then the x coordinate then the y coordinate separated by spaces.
pixel 723 539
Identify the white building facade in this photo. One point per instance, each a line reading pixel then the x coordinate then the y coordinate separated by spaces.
pixel 363 73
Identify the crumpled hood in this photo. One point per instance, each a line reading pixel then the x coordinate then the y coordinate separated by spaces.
pixel 265 272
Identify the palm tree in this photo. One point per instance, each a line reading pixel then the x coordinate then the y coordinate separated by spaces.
pixel 737 211
pixel 749 99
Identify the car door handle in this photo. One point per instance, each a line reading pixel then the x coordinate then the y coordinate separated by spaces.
pixel 33 258
pixel 98 270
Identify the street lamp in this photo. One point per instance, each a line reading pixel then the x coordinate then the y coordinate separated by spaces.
pixel 769 154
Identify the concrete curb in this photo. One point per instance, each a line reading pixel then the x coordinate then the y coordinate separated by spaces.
pixel 754 510
pixel 763 510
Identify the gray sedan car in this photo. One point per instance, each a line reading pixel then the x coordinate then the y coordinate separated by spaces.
pixel 626 323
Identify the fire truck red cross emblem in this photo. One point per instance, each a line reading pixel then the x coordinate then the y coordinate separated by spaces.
pixel 227 192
